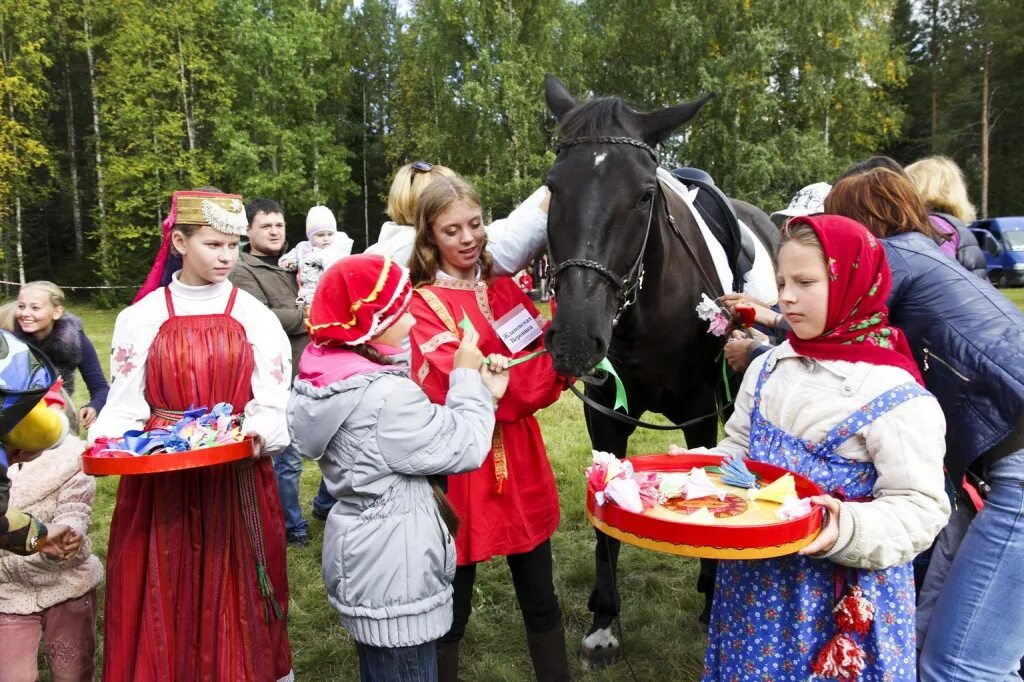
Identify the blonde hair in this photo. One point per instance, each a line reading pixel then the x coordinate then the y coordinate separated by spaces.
pixel 940 183
pixel 52 291
pixel 406 189
pixel 8 320
pixel 435 200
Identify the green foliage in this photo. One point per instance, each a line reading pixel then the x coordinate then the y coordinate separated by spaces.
pixel 319 102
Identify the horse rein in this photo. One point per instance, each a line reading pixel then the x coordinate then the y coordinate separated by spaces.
pixel 627 287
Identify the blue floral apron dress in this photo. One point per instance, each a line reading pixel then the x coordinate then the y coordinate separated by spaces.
pixel 771 617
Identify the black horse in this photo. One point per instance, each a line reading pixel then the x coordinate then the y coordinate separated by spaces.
pixel 630 267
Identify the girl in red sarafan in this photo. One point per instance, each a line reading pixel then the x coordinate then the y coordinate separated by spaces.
pixel 197 584
pixel 508 507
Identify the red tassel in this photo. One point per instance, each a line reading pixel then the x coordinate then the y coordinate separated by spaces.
pixel 841 659
pixel 854 612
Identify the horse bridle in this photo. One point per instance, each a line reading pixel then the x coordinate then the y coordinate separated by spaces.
pixel 627 287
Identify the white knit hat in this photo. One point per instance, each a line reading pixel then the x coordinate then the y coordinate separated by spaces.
pixel 320 219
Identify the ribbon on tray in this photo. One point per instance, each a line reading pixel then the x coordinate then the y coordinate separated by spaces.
pixel 197 428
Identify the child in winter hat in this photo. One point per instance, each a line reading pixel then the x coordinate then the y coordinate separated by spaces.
pixel 324 246
pixel 378 438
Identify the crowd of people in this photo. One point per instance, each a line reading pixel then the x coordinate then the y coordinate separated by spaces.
pixel 889 372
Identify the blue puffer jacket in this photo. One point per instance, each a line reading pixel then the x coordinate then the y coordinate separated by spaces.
pixel 967 338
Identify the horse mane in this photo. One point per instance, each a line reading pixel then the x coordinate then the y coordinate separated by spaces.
pixel 595 117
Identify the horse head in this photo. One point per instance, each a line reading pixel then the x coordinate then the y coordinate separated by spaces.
pixel 604 191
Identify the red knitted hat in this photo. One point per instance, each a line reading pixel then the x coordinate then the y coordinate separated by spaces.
pixel 357 299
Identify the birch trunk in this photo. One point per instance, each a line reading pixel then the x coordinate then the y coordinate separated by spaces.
pixel 100 206
pixel 190 128
pixel 76 208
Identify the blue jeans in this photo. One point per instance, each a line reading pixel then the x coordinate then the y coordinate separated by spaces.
pixel 976 633
pixel 323 501
pixel 400 664
pixel 287 470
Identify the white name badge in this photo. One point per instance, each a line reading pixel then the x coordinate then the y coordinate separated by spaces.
pixel 517 328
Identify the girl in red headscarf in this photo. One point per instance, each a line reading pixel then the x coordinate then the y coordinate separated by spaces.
pixel 197 584
pixel 841 403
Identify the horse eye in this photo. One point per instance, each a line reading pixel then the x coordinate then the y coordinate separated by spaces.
pixel 646 198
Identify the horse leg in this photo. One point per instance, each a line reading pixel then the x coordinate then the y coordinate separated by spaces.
pixel 704 434
pixel 600 647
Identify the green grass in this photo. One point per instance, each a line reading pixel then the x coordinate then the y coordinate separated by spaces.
pixel 662 639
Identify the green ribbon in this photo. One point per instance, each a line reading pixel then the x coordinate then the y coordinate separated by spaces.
pixel 620 390
pixel 725 380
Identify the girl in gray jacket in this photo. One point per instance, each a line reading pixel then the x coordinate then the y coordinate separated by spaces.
pixel 388 552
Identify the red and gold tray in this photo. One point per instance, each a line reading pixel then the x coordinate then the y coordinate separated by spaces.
pixel 159 463
pixel 743 529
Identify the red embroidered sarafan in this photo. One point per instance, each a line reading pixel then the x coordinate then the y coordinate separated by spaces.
pixel 183 591
pixel 510 504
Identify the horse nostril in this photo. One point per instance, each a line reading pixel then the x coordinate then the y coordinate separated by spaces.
pixel 600 346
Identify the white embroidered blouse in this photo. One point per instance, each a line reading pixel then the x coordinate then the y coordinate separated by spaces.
pixel 137 326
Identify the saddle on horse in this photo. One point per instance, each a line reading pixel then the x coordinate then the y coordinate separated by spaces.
pixel 721 219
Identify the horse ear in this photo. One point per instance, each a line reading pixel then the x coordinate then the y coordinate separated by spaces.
pixel 658 125
pixel 559 100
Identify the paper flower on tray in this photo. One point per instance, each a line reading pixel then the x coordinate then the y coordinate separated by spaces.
pixel 714 314
pixel 793 508
pixel 736 473
pixel 777 491
pixel 613 479
pixel 626 493
pixel 698 485
pixel 673 485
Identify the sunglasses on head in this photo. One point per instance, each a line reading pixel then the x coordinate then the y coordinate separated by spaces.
pixel 422 166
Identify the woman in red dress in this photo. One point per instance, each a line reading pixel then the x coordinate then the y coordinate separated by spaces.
pixel 197 585
pixel 508 507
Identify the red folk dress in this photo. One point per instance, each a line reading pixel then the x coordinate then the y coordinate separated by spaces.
pixel 183 598
pixel 510 504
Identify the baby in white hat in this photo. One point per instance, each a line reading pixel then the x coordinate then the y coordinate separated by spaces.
pixel 325 246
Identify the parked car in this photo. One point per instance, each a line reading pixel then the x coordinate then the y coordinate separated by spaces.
pixel 1002 240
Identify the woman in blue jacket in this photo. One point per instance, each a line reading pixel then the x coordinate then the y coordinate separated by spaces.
pixel 969 342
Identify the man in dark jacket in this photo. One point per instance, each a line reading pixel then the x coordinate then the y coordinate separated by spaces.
pixel 257 273
pixel 969 341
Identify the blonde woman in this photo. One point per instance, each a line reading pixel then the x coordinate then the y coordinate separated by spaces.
pixel 40 318
pixel 512 242
pixel 940 182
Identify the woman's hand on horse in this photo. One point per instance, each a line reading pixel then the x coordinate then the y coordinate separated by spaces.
pixel 468 356
pixel 830 531
pixel 495 375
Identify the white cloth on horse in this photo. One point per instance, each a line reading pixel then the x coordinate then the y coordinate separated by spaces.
pixel 760 281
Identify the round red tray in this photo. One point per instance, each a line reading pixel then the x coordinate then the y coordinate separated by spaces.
pixel 155 464
pixel 752 533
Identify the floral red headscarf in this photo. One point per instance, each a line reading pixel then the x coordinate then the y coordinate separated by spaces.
pixel 857 325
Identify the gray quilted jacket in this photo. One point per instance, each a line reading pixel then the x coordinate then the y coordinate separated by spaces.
pixel 388 559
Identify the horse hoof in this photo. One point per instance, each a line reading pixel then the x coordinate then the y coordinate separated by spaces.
pixel 599 649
